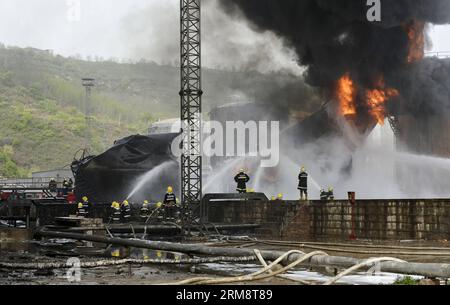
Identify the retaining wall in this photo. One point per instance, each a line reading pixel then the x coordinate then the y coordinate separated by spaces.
pixel 315 220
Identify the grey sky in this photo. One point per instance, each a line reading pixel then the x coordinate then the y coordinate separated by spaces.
pixel 147 29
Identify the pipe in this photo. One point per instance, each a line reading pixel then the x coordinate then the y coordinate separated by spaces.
pixel 422 269
pixel 168 228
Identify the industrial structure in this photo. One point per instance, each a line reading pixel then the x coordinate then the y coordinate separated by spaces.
pixel 88 84
pixel 191 103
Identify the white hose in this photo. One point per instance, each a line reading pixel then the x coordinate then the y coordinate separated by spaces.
pixel 361 265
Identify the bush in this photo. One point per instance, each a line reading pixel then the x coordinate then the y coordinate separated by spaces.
pixel 407 280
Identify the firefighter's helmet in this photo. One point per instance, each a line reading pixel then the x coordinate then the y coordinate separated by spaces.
pixel 170 190
pixel 85 199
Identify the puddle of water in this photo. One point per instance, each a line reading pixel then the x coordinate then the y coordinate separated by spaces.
pixel 14 240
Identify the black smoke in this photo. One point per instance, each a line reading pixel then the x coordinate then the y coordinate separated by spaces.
pixel 334 37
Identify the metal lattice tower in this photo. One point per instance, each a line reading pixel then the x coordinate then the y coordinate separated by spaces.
pixel 191 103
pixel 88 83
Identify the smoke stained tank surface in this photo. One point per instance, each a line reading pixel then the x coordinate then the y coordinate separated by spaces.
pixel 113 175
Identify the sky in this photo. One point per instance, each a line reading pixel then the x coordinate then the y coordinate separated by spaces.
pixel 135 29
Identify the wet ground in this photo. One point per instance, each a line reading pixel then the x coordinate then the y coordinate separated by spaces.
pixel 17 246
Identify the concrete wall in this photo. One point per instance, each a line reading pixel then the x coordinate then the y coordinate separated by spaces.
pixel 315 220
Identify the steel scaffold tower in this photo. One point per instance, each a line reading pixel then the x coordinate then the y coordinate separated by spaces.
pixel 191 103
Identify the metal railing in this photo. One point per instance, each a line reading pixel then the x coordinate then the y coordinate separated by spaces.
pixel 29 183
pixel 438 54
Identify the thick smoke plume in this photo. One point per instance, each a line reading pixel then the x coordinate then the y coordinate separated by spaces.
pixel 378 69
pixel 332 38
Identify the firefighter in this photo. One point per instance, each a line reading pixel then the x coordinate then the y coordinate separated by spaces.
pixel 126 211
pixel 81 212
pixel 303 183
pixel 330 193
pixel 86 206
pixel 115 207
pixel 241 179
pixel 65 187
pixel 170 203
pixel 70 184
pixel 159 211
pixel 145 211
pixel 323 195
pixel 53 186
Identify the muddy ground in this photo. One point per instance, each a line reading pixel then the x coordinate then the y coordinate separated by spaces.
pixel 19 247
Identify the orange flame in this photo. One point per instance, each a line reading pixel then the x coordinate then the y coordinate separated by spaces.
pixel 376 100
pixel 416 39
pixel 346 93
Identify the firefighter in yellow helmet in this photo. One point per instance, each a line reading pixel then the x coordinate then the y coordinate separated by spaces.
pixel 115 214
pixel 80 210
pixel 330 193
pixel 159 211
pixel 241 179
pixel 84 207
pixel 170 204
pixel 303 184
pixel 126 211
pixel 145 211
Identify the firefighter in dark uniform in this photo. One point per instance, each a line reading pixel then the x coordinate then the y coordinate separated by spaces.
pixel 303 184
pixel 330 193
pixel 241 179
pixel 70 184
pixel 81 211
pixel 86 206
pixel 145 211
pixel 65 187
pixel 323 195
pixel 126 211
pixel 170 203
pixel 115 208
pixel 53 186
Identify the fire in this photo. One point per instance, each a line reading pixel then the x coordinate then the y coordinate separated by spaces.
pixel 416 39
pixel 346 93
pixel 376 99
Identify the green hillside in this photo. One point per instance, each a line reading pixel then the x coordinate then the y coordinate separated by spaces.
pixel 42 121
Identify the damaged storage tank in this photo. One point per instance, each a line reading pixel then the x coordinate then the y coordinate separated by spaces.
pixel 136 168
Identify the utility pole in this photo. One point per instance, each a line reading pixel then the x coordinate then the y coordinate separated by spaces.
pixel 191 104
pixel 88 84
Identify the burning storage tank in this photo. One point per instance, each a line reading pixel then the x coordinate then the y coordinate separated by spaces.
pixel 136 168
